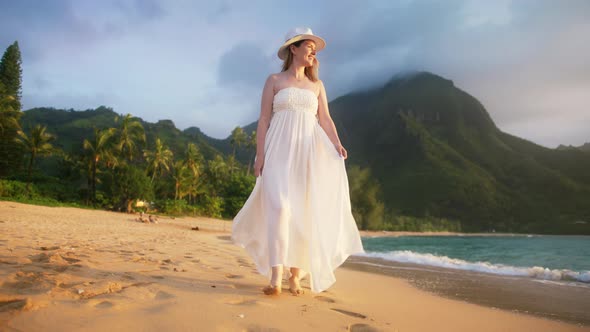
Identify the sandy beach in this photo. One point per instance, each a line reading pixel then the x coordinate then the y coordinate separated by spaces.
pixel 68 269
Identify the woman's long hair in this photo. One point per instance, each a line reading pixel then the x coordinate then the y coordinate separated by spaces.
pixel 311 72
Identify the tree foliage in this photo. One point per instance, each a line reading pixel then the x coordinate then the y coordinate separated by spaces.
pixel 159 160
pixel 98 152
pixel 11 74
pixel 37 143
pixel 238 138
pixel 10 110
pixel 129 135
pixel 367 209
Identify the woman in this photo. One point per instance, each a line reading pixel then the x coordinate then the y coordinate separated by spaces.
pixel 298 215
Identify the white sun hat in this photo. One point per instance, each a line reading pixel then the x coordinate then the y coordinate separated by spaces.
pixel 297 34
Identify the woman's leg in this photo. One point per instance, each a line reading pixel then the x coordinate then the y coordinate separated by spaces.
pixel 294 285
pixel 277 276
pixel 275 281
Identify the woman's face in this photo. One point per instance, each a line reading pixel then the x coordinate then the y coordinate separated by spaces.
pixel 305 53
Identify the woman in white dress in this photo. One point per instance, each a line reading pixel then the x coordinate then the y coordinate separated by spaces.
pixel 298 217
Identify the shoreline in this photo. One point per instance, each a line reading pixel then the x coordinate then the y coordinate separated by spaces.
pixel 375 234
pixel 75 269
pixel 551 300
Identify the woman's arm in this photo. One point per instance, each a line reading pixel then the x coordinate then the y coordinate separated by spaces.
pixel 327 123
pixel 263 123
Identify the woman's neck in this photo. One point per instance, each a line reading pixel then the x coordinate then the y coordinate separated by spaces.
pixel 297 71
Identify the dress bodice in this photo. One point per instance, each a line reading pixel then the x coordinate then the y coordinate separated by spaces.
pixel 295 99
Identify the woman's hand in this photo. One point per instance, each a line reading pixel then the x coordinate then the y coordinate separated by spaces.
pixel 258 166
pixel 342 151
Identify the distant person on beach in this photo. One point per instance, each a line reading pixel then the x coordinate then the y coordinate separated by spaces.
pixel 298 217
pixel 142 218
pixel 153 219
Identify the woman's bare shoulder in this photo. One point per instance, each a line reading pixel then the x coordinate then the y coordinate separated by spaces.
pixel 274 77
pixel 273 80
pixel 319 86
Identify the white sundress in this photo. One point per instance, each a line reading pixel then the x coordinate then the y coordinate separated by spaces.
pixel 299 214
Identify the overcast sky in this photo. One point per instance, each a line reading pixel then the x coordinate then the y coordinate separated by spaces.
pixel 203 63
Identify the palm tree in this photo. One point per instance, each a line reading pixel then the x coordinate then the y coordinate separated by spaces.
pixel 97 149
pixel 217 172
pixel 191 187
pixel 36 144
pixel 180 171
pixel 193 161
pixel 251 146
pixel 159 159
pixel 128 134
pixel 238 138
pixel 232 164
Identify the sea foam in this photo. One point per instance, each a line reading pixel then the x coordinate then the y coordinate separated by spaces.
pixel 537 272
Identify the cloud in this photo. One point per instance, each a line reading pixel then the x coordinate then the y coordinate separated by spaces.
pixel 244 65
pixel 61 26
pixel 204 63
pixel 526 60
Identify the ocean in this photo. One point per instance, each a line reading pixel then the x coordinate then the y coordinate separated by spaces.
pixel 562 259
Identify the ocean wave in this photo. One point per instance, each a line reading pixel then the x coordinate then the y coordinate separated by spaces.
pixel 536 272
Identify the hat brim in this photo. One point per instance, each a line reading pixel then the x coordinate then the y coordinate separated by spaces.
pixel 319 44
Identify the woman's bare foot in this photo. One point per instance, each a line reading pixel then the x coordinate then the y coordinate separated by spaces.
pixel 295 287
pixel 272 290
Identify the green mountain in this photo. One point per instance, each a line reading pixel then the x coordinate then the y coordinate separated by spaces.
pixel 435 151
pixel 72 127
pixel 583 147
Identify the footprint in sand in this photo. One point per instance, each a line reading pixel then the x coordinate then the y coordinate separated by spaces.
pixel 127 276
pixel 43 257
pixel 243 262
pixel 49 248
pixel 94 289
pixel 258 328
pixel 104 305
pixel 158 277
pixel 242 302
pixel 71 260
pixel 325 299
pixel 16 304
pixel 361 328
pixel 127 253
pixel 234 276
pixel 30 282
pixel 161 295
pixel 349 313
pixel 60 269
